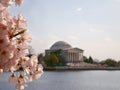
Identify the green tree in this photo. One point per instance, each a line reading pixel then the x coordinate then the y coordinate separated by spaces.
pixel 109 62
pixel 118 64
pixel 51 60
pixel 85 59
pixel 40 58
pixel 90 59
pixel 58 53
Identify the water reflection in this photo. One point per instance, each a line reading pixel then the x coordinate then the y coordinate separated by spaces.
pixel 71 80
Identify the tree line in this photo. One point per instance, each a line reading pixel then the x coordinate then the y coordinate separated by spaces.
pixel 55 59
pixel 109 62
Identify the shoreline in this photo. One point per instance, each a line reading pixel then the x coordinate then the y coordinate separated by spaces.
pixel 80 68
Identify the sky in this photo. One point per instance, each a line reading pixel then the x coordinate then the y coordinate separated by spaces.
pixel 92 25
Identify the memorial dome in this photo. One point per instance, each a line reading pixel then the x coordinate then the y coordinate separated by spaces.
pixel 60 45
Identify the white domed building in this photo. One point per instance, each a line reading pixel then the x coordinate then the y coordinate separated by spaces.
pixel 69 53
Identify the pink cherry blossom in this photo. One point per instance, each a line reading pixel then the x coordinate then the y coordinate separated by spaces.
pixel 24 62
pixel 32 62
pixel 26 37
pixel 2 8
pixel 9 20
pixel 6 3
pixel 23 79
pixel 18 2
pixel 4 39
pixel 1 71
pixel 34 59
pixel 5 54
pixel 14 41
pixel 21 22
pixel 13 78
pixel 36 73
pixel 3 24
pixel 20 86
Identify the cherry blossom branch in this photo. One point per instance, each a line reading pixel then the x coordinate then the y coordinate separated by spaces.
pixel 13 47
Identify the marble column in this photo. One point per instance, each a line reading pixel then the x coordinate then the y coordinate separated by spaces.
pixel 78 57
pixel 69 56
pixel 73 57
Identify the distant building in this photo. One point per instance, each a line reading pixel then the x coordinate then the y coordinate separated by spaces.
pixel 69 53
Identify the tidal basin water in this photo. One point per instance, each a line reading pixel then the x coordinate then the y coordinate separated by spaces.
pixel 70 80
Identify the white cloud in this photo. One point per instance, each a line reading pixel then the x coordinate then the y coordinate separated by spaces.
pixel 117 1
pixel 79 9
pixel 73 38
pixel 96 30
pixel 108 39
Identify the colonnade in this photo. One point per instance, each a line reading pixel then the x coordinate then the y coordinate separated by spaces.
pixel 73 57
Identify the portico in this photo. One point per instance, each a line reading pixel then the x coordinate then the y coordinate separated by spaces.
pixel 73 55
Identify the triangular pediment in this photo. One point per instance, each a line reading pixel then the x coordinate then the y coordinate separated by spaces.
pixel 75 49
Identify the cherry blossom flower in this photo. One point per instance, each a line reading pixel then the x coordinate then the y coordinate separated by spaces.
pixel 21 22
pixel 14 41
pixel 13 78
pixel 3 23
pixel 6 3
pixel 1 8
pixel 37 73
pixel 20 86
pixel 4 39
pixel 23 79
pixel 26 37
pixel 18 2
pixel 24 61
pixel 34 59
pixel 5 54
pixel 1 71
